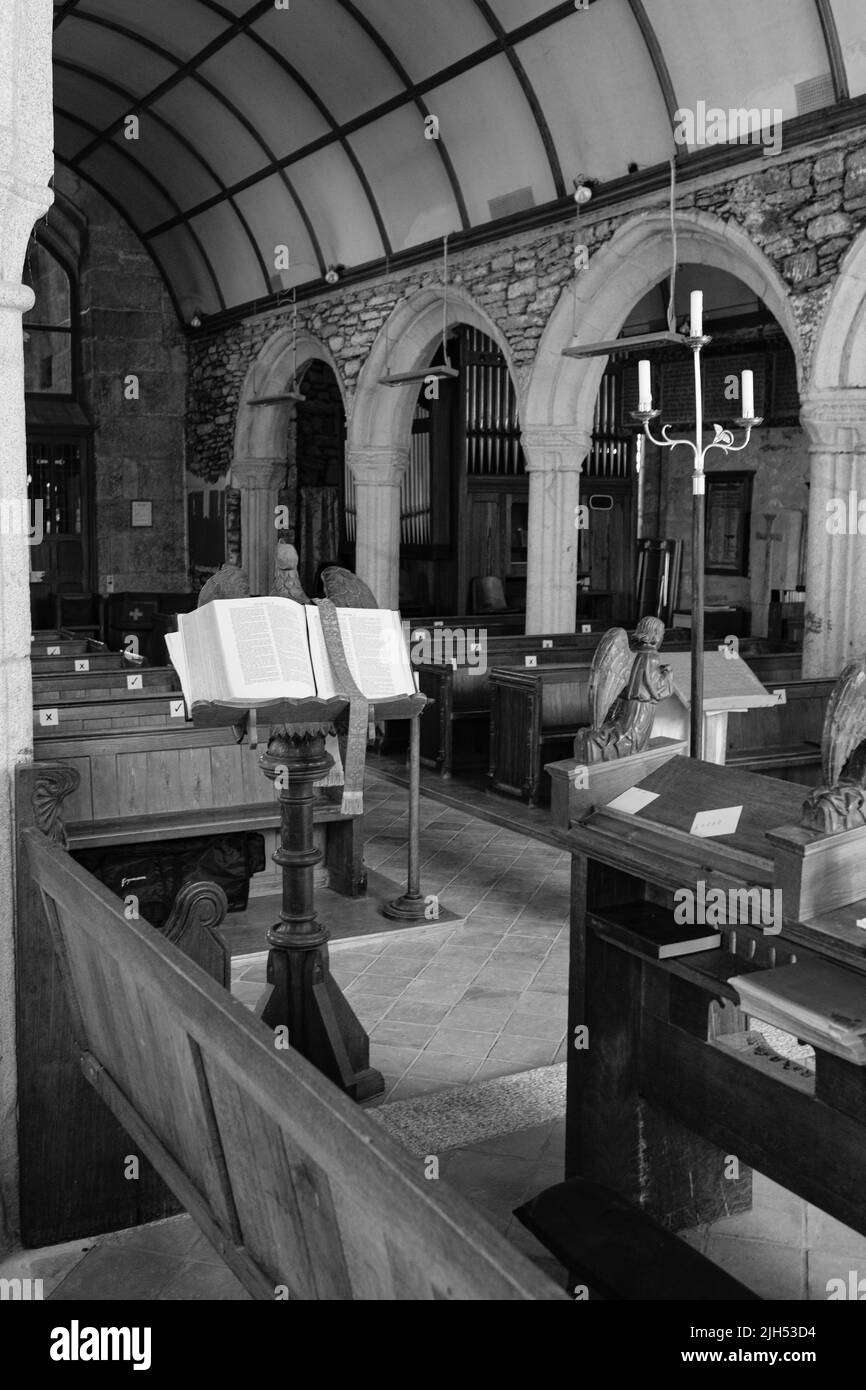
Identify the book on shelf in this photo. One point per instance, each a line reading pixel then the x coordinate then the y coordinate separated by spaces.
pixel 650 929
pixel 251 652
pixel 817 1001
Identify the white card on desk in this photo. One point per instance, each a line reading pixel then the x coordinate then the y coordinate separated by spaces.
pixel 632 800
pixel 724 821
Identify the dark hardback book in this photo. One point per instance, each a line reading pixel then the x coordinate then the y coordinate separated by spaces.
pixel 650 929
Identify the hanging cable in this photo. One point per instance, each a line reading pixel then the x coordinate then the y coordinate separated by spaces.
pixel 672 326
pixel 445 300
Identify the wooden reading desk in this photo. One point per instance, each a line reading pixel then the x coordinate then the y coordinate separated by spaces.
pixel 671 1084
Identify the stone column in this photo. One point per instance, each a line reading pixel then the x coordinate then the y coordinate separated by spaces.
pixel 378 473
pixel 259 481
pixel 26 165
pixel 554 457
pixel 835 422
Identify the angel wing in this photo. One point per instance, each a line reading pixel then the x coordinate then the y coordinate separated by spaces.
pixel 346 590
pixel 611 668
pixel 845 727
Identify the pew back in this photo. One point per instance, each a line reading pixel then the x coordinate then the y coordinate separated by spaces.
pixel 783 738
pixel 298 1188
pixel 534 715
pixel 55 686
pixel 98 659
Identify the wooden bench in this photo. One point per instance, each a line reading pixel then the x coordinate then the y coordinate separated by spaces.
pixel 451 738
pixel 782 740
pixel 62 643
pixel 303 1195
pixel 97 658
pixel 619 1251
pixel 127 709
pixel 534 716
pixel 137 786
pixel 102 684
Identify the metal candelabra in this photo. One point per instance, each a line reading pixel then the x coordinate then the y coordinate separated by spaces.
pixel 724 440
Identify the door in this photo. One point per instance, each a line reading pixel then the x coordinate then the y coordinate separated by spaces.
pixel 58 488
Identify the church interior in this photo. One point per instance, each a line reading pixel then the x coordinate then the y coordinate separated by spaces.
pixel 433 650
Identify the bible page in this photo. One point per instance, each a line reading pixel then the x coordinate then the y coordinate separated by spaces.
pixel 376 652
pixel 266 650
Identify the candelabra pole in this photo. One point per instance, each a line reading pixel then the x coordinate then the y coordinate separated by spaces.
pixel 698 519
pixel 724 440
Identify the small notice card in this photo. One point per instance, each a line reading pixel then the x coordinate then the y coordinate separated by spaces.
pixel 721 822
pixel 632 800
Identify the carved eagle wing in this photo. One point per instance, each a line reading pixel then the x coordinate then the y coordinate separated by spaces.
pixel 845 726
pixel 611 667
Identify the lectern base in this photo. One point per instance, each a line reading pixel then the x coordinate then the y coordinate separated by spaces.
pixel 321 1024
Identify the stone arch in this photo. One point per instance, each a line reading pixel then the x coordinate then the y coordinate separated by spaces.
pixel 380 424
pixel 839 358
pixel 260 430
pixel 381 416
pixel 563 390
pixel 259 460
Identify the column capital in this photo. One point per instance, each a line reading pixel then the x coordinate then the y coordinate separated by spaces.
pixel 835 420
pixel 555 448
pixel 377 465
pixel 257 475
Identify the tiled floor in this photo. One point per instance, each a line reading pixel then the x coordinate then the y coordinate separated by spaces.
pixel 446 1004
pixel 449 1004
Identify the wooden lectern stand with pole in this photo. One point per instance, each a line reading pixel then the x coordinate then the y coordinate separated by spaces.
pixel 304 997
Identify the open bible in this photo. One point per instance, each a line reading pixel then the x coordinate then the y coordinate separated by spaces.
pixel 250 652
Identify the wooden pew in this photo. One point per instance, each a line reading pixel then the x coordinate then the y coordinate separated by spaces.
pixel 71 1184
pixel 97 659
pixel 61 686
pixel 534 716
pixel 450 737
pixel 454 734
pixel 61 643
pixel 135 709
pixel 304 1195
pixel 140 786
pixel 783 740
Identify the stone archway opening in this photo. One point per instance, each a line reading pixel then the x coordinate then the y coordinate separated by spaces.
pixel 264 469
pixel 383 433
pixel 563 392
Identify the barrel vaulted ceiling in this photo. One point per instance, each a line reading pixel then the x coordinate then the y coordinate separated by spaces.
pixel 303 123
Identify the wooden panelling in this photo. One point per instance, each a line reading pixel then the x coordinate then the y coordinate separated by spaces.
pixel 298 1186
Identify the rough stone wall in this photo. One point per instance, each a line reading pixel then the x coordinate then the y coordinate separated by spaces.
pixel 129 327
pixel 803 209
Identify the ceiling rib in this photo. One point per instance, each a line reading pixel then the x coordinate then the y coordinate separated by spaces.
pixel 834 50
pixel 63 10
pixel 505 44
pixel 163 53
pixel 327 116
pixel 128 96
pixel 161 189
pixel 657 58
pixel 184 69
pixel 439 143
pixel 385 108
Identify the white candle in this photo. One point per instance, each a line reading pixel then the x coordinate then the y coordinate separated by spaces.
pixel 747 395
pixel 644 386
pixel 697 308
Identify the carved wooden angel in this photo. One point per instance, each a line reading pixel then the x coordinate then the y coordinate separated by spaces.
pixel 626 683
pixel 841 803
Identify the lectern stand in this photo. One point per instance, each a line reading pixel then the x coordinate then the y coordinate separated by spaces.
pixel 304 998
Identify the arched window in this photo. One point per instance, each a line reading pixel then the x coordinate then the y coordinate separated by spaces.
pixel 49 338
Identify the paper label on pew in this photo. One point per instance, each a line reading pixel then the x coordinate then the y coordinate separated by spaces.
pixel 82 665
pixel 134 682
pixel 632 800
pixel 721 822
pixel 177 709
pixel 49 716
pixel 53 651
